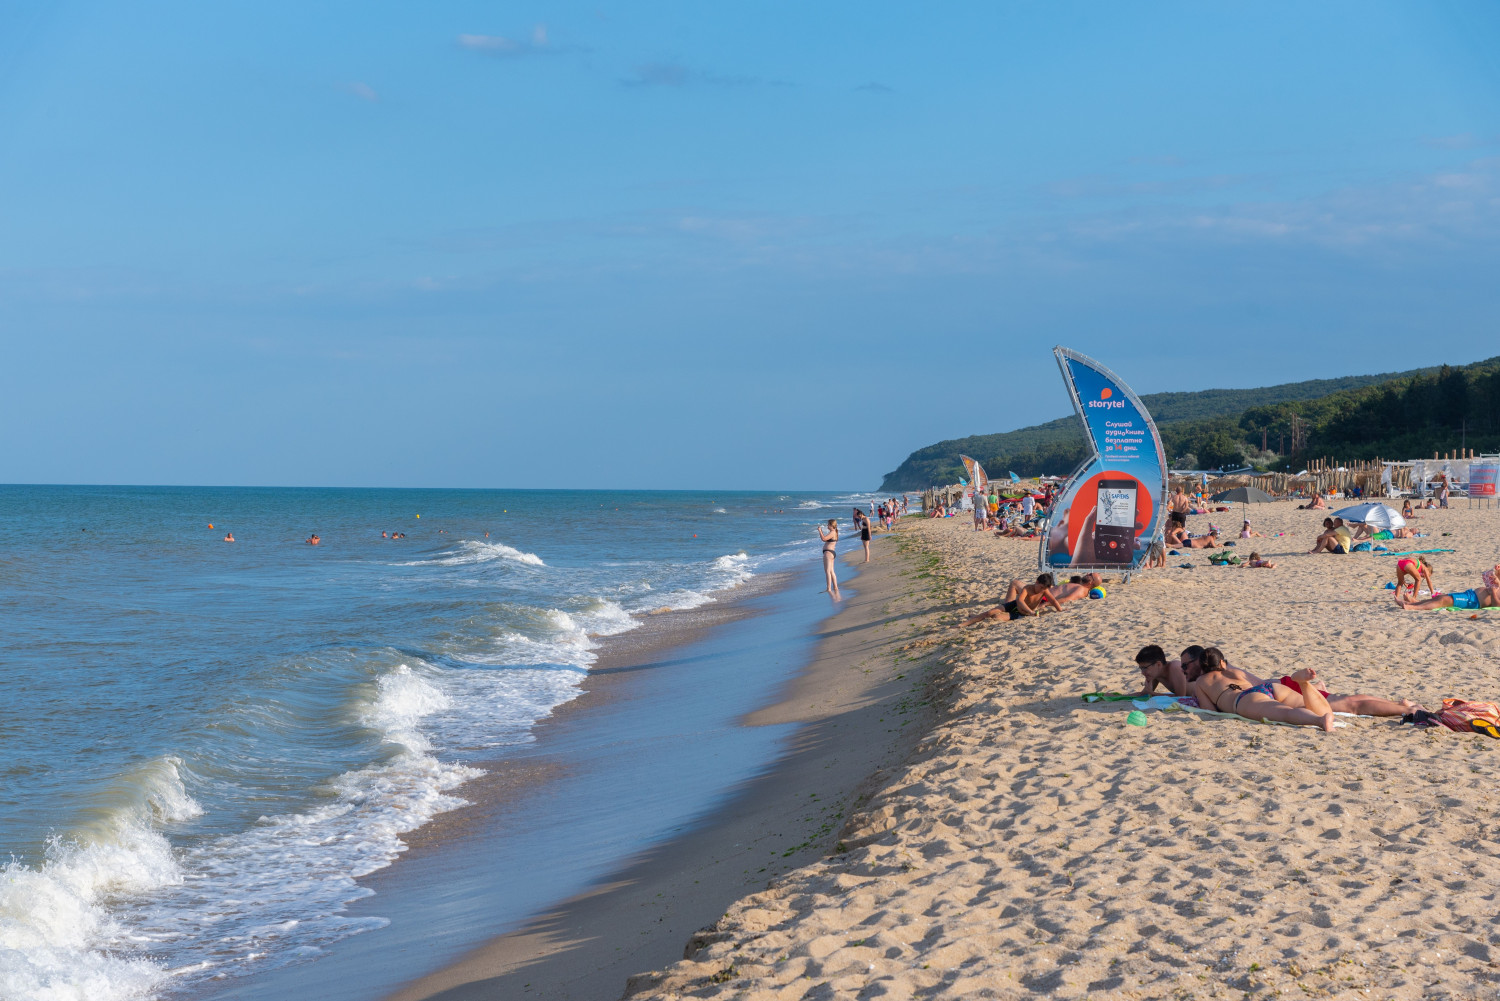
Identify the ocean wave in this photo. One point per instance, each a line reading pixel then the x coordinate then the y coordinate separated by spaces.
pixel 723 574
pixel 478 551
pixel 59 938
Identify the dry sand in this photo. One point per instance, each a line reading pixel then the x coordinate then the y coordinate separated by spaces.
pixel 1032 844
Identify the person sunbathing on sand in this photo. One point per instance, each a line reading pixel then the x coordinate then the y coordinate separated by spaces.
pixel 1021 600
pixel 1208 541
pixel 1218 689
pixel 1177 535
pixel 1256 563
pixel 1473 599
pixel 1156 670
pixel 1076 587
pixel 1189 668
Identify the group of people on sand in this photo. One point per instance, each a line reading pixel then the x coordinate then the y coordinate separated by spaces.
pixel 1012 517
pixel 1340 538
pixel 1205 674
pixel 1022 599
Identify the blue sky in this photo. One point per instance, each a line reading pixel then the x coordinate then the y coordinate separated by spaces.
pixel 686 245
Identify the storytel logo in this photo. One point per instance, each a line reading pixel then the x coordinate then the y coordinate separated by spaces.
pixel 1105 401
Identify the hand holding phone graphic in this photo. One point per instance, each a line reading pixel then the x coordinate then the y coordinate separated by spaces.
pixel 1114 521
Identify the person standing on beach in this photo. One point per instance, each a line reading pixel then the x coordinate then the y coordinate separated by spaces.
pixel 864 531
pixel 830 537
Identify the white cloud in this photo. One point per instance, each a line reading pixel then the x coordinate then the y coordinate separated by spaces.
pixel 363 91
pixel 500 45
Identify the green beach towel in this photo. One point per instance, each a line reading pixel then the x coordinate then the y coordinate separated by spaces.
pixel 1105 697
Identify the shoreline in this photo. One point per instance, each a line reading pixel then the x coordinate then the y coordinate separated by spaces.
pixel 842 704
pixel 619 655
pixel 596 785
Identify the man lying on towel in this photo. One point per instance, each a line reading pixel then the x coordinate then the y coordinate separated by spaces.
pixel 1178 675
pixel 1473 599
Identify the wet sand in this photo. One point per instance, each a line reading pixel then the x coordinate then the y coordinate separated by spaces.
pixel 850 712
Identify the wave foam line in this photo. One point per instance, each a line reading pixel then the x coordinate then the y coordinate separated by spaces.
pixel 478 551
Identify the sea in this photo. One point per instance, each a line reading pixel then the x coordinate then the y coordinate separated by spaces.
pixel 207 748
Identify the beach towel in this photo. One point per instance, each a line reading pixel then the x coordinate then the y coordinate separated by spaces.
pixel 1169 703
pixel 1162 702
pixel 1418 552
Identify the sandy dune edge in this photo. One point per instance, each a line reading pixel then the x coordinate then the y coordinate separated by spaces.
pixel 1035 845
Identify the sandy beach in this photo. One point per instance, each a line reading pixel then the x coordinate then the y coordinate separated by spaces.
pixel 1034 844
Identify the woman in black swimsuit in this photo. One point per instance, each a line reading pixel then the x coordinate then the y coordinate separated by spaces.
pixel 863 521
pixel 830 537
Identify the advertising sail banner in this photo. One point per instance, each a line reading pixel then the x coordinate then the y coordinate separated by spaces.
pixel 976 473
pixel 1110 509
pixel 1482 479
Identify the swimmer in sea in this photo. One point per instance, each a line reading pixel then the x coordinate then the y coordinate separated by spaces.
pixel 313 540
pixel 228 536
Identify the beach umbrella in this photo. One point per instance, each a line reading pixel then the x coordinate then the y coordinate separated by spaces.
pixel 1375 515
pixel 1243 495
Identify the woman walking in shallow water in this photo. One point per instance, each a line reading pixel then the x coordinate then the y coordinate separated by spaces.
pixel 830 537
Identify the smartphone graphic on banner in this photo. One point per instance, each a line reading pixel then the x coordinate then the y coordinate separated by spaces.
pixel 1114 522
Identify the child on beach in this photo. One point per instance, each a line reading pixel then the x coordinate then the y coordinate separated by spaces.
pixel 1256 563
pixel 1247 533
pixel 1418 570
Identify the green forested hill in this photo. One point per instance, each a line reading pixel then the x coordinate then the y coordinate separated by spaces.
pixel 1397 414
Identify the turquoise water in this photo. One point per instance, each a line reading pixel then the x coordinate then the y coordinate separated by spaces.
pixel 205 744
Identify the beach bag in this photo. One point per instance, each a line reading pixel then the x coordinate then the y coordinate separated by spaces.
pixel 1224 559
pixel 1471 717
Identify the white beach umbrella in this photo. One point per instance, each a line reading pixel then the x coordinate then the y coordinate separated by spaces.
pixel 1376 515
